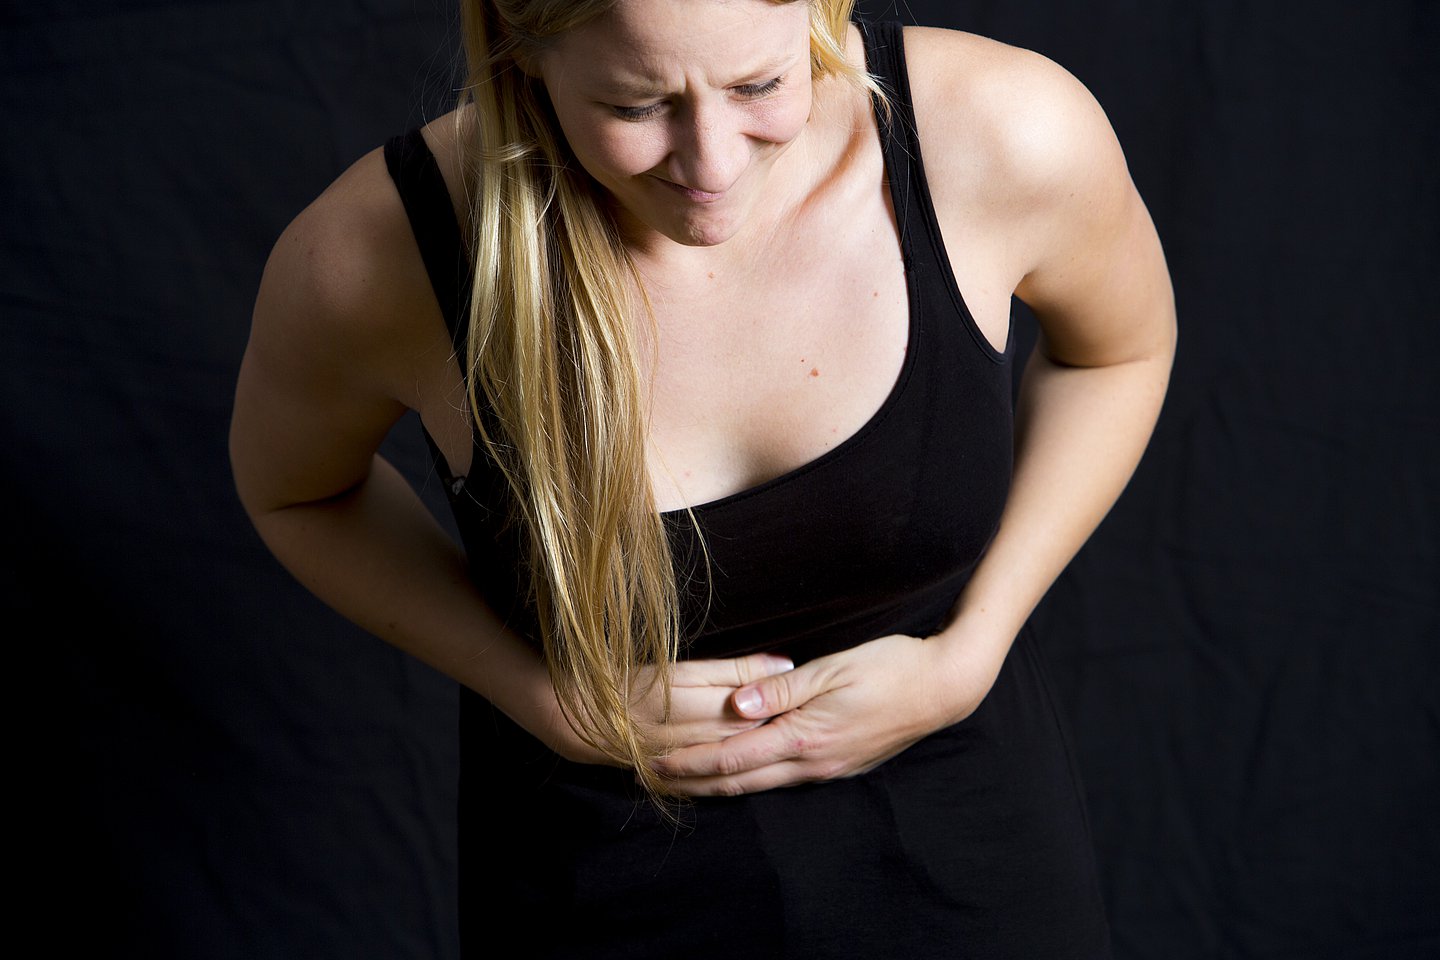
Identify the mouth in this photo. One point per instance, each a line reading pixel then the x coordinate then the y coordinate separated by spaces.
pixel 694 196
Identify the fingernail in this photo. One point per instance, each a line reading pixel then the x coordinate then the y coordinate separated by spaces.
pixel 749 701
pixel 783 664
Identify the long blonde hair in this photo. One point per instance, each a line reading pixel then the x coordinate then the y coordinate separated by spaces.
pixel 555 381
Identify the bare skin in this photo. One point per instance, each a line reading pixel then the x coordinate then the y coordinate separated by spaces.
pixel 1033 198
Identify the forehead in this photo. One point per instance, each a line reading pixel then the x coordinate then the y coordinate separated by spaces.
pixel 649 43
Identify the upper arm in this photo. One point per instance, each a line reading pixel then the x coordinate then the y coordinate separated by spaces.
pixel 1096 276
pixel 1056 192
pixel 324 373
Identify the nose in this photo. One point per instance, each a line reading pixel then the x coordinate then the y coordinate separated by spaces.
pixel 711 149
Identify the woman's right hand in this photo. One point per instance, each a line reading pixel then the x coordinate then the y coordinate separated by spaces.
pixel 701 709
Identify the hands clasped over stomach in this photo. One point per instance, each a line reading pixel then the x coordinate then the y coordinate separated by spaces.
pixel 754 723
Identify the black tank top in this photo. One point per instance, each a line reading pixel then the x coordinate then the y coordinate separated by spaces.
pixel 973 843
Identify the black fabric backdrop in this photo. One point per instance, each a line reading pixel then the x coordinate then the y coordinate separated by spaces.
pixel 1248 647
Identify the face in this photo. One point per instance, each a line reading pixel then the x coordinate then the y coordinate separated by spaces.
pixel 680 109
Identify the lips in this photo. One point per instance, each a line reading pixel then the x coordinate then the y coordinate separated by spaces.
pixel 694 196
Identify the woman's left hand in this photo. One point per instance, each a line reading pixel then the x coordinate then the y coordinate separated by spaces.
pixel 839 715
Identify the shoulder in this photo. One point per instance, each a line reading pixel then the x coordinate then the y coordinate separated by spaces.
pixel 343 252
pixel 1017 148
pixel 345 284
pixel 1008 121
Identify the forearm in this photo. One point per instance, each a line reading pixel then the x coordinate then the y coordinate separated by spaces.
pixel 377 556
pixel 1080 433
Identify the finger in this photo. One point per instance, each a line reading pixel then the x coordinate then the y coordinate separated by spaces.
pixel 672 741
pixel 786 773
pixel 733 672
pixel 782 693
pixel 763 746
pixel 701 715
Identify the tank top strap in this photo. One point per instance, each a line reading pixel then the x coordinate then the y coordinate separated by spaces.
pixel 921 242
pixel 885 59
pixel 432 219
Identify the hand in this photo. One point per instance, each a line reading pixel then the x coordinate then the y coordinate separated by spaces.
pixel 838 715
pixel 701 706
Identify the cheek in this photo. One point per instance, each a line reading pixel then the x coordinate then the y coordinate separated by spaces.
pixel 781 121
pixel 627 149
pixel 607 148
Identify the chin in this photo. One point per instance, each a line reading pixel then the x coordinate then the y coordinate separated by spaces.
pixel 698 225
pixel 705 234
pixel 694 229
pixel 705 226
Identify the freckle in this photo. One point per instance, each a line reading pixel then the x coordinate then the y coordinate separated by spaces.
pixel 814 371
pixel 711 275
pixel 875 294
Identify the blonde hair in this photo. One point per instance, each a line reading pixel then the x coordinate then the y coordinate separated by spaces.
pixel 555 382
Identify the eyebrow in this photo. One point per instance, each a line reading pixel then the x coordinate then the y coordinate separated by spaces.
pixel 640 87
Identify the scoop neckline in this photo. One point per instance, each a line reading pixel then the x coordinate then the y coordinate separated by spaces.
pixel 841 448
pixel 902 379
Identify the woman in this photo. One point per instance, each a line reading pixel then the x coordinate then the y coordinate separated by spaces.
pixel 717 369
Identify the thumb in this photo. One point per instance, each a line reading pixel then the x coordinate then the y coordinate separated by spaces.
pixel 775 695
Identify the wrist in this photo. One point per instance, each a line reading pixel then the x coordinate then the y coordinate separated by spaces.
pixel 965 661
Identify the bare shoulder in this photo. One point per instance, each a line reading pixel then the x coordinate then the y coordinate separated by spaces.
pixel 343 324
pixel 1008 121
pixel 345 284
pixel 1019 152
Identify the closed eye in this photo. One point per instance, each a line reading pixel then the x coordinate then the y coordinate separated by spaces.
pixel 638 113
pixel 748 91
pixel 753 91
